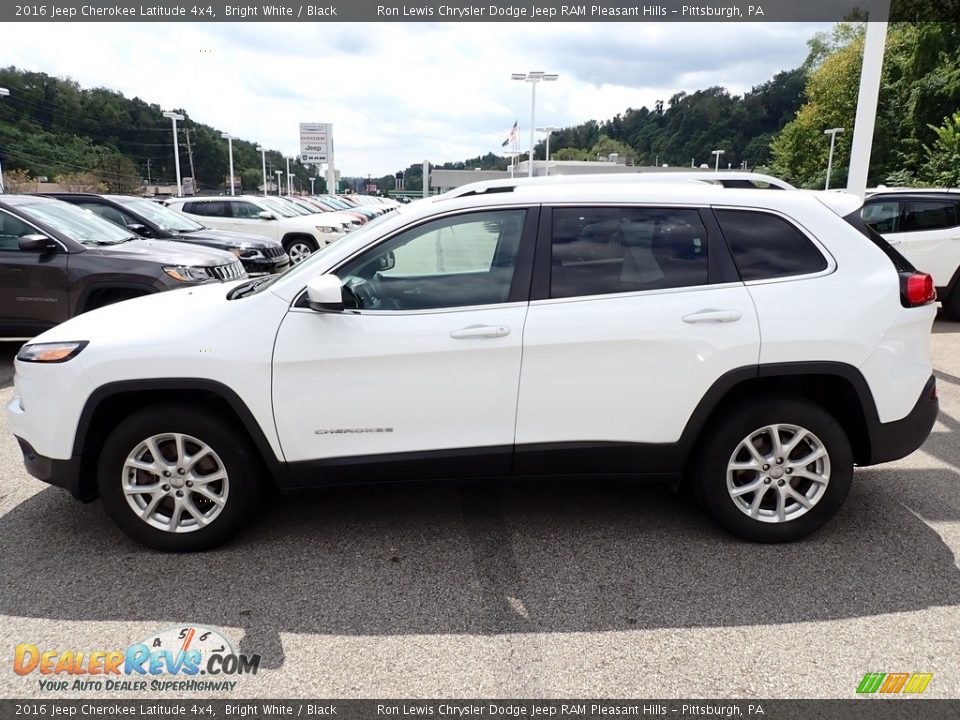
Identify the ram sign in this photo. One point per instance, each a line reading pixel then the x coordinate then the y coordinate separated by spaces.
pixel 316 142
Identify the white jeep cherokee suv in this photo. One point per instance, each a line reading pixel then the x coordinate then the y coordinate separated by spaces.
pixel 924 226
pixel 300 235
pixel 757 345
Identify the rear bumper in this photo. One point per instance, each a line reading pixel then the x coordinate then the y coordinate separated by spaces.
pixel 894 440
pixel 61 473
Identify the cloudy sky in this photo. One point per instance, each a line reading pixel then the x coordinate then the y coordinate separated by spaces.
pixel 399 93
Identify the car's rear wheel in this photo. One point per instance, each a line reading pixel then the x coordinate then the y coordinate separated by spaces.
pixel 178 479
pixel 774 470
pixel 299 249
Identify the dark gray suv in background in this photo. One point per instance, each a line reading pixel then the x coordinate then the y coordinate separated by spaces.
pixel 57 261
pixel 259 255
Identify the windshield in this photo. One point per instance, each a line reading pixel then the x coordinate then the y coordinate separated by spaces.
pixel 296 207
pixel 278 206
pixel 76 223
pixel 163 217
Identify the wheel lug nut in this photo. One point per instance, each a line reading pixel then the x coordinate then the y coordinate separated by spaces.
pixel 788 471
pixel 189 483
pixel 165 488
pixel 180 471
pixel 766 481
pixel 180 492
pixel 781 482
pixel 779 461
pixel 766 467
pixel 166 473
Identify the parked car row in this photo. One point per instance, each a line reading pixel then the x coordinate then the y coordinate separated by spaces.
pixel 62 254
pixel 300 225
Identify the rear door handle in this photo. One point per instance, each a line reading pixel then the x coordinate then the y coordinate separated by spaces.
pixel 713 316
pixel 480 331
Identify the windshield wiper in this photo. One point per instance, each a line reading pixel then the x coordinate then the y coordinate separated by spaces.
pixel 248 287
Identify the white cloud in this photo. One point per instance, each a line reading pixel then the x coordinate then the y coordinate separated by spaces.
pixel 400 93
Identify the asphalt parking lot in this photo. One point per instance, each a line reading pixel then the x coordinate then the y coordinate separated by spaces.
pixel 547 589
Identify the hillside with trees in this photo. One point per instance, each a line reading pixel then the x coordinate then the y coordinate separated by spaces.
pixel 52 127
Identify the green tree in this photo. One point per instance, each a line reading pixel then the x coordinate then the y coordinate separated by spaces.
pixel 942 165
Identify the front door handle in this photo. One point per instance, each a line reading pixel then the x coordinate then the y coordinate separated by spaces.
pixel 713 316
pixel 480 331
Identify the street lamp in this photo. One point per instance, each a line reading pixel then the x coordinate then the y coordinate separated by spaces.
pixel 289 181
pixel 176 148
pixel 263 159
pixel 832 132
pixel 311 186
pixel 716 165
pixel 3 93
pixel 548 130
pixel 230 138
pixel 533 78
pixel 279 182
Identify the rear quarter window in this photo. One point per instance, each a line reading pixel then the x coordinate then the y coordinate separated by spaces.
pixel 766 246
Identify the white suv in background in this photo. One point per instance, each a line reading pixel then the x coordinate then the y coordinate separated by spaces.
pixel 754 344
pixel 300 235
pixel 924 225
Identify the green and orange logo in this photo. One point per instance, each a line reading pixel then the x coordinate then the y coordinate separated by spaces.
pixel 894 683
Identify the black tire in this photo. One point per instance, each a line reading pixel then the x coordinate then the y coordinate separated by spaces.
pixel 231 449
pixel 724 437
pixel 951 304
pixel 299 248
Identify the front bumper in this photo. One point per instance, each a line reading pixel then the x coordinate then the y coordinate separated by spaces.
pixel 894 440
pixel 61 473
pixel 266 266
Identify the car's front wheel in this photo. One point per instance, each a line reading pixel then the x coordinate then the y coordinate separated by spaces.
pixel 299 248
pixel 774 470
pixel 178 479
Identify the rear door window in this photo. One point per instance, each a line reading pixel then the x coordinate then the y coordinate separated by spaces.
pixel 601 250
pixel 766 246
pixel 922 215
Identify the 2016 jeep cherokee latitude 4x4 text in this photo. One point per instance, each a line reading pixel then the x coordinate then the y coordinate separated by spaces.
pixel 756 344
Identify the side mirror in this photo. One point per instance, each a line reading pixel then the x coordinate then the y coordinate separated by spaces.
pixel 325 294
pixel 139 229
pixel 266 215
pixel 37 243
pixel 386 261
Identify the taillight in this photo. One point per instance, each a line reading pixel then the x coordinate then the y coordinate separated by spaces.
pixel 916 289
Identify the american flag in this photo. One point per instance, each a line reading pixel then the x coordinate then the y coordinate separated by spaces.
pixel 512 137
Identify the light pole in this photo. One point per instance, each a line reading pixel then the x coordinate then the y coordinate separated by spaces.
pixel 548 130
pixel 832 132
pixel 533 77
pixel 176 148
pixel 311 186
pixel 716 165
pixel 230 138
pixel 263 159
pixel 279 182
pixel 289 180
pixel 3 93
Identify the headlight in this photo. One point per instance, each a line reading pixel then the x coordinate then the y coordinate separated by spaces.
pixel 327 229
pixel 56 352
pixel 186 273
pixel 247 253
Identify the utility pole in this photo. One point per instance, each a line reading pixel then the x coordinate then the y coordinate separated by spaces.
pixel 193 173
